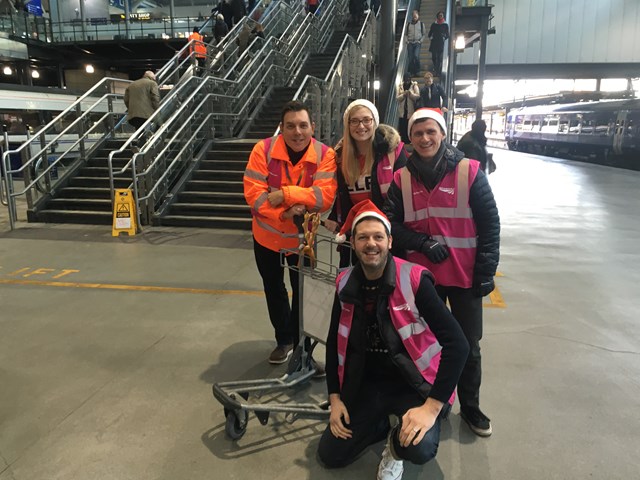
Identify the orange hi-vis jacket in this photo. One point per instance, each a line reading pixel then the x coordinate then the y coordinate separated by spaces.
pixel 199 47
pixel 316 192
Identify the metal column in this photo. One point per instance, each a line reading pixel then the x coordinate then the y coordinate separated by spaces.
pixel 386 54
pixel 484 28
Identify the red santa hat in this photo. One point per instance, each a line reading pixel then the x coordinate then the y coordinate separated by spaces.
pixel 433 113
pixel 360 211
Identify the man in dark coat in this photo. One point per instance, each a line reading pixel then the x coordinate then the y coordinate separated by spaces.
pixel 458 240
pixel 473 143
pixel 438 33
pixel 432 94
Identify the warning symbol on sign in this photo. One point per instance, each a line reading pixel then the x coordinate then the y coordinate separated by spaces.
pixel 123 213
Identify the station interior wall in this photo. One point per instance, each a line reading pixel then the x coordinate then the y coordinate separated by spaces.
pixel 561 31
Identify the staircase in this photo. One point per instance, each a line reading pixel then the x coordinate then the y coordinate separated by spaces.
pixel 214 196
pixel 86 199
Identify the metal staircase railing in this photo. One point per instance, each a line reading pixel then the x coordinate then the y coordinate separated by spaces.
pixel 222 106
pixel 88 122
pixel 100 114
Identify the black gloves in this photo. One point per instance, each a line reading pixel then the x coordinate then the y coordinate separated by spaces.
pixel 435 252
pixel 483 286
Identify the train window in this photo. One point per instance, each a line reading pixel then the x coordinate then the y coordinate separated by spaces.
pixel 587 127
pixel 574 125
pixel 602 126
pixel 563 125
pixel 526 126
pixel 630 128
pixel 535 125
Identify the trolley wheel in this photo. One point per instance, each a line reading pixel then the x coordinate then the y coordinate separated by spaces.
pixel 236 425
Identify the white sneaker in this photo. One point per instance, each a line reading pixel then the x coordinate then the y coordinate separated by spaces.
pixel 389 468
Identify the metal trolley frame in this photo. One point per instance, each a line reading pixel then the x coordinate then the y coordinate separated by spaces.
pixel 320 277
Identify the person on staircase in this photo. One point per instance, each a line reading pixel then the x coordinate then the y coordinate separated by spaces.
pixel 286 176
pixel 367 155
pixel 439 34
pixel 198 49
pixel 142 99
pixel 414 34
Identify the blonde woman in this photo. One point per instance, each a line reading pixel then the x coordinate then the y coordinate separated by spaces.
pixel 367 155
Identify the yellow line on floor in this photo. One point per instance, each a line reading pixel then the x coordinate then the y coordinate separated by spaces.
pixel 137 288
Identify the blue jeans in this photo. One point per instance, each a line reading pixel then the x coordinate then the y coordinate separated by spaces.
pixel 413 55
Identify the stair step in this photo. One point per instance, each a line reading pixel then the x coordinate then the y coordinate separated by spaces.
pixel 75 216
pixel 224 164
pixel 80 204
pixel 194 196
pixel 99 182
pixel 235 223
pixel 84 192
pixel 210 209
pixel 214 185
pixel 218 175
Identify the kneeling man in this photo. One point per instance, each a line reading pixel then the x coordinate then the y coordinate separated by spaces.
pixel 393 348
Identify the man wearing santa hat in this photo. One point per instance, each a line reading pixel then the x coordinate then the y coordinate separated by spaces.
pixel 443 214
pixel 393 348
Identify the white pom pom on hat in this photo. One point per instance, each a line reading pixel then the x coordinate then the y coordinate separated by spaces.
pixel 363 209
pixel 361 102
pixel 433 113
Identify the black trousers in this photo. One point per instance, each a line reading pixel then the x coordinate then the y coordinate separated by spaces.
pixel 436 56
pixel 370 424
pixel 403 127
pixel 284 316
pixel 467 309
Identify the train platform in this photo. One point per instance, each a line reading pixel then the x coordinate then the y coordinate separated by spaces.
pixel 109 347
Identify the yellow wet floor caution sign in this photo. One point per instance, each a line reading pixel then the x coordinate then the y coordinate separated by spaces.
pixel 124 213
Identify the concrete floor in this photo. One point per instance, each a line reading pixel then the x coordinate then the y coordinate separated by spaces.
pixel 101 378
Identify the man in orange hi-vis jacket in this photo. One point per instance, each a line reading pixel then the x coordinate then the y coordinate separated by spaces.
pixel 287 175
pixel 198 48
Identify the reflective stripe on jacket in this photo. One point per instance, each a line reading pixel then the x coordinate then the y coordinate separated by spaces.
pixel 444 214
pixel 384 169
pixel 418 340
pixel 311 182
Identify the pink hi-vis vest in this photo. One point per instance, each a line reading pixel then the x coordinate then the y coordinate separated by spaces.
pixel 445 214
pixel 384 169
pixel 417 338
pixel 275 166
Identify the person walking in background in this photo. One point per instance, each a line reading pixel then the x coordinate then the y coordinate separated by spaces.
pixel 286 176
pixel 444 215
pixel 198 49
pixel 367 155
pixel 414 35
pixel 142 99
pixel 474 143
pixel 432 94
pixel 408 95
pixel 220 29
pixel 312 6
pixel 393 348
pixel 239 10
pixel 439 34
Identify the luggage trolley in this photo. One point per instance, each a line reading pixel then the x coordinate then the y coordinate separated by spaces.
pixel 316 283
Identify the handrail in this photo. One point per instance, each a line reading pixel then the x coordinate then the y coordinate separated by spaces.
pixel 223 104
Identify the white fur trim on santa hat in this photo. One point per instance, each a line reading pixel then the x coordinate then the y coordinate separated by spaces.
pixel 371 213
pixel 341 238
pixel 361 102
pixel 427 113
